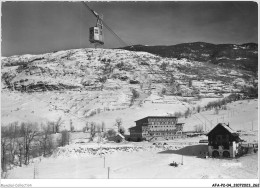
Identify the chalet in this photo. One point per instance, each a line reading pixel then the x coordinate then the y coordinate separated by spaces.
pixel 156 128
pixel 223 141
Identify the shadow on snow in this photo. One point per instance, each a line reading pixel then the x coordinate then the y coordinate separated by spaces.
pixel 194 150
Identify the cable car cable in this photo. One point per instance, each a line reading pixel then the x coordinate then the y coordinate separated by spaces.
pixel 104 23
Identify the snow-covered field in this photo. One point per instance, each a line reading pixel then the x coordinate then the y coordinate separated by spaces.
pixel 152 163
pixel 144 160
pixel 22 107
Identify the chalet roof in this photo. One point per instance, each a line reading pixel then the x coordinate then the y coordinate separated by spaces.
pixel 226 127
pixel 157 117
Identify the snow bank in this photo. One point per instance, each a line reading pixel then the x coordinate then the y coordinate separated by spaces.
pixel 95 149
pixel 76 150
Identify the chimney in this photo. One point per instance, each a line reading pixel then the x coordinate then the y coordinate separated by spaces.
pixel 228 124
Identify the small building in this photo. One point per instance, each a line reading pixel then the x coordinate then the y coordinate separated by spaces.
pixel 156 128
pixel 118 138
pixel 223 141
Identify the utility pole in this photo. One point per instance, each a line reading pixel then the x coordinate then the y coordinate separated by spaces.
pixel 108 169
pixel 104 161
pixel 35 171
pixel 182 160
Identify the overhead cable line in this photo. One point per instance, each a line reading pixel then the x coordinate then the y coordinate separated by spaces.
pixel 104 23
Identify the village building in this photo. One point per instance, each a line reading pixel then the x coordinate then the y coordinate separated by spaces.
pixel 223 141
pixel 117 138
pixel 156 128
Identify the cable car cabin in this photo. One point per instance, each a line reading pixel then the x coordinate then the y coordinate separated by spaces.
pixel 96 35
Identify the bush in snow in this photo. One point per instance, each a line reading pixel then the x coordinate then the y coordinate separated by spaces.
pixel 135 95
pixel 187 113
pixel 198 109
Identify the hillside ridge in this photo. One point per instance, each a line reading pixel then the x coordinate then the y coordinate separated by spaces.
pixel 242 56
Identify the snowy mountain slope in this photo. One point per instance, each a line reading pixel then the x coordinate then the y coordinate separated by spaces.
pixel 87 82
pixel 82 68
pixel 244 56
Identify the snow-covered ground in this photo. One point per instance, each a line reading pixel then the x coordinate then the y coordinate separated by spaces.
pixel 153 163
pixel 144 160
pixel 22 107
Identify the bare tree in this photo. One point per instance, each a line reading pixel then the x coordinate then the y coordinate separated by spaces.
pixel 29 131
pixel 4 145
pixel 87 126
pixel 121 130
pixel 51 126
pixel 98 131
pixel 20 147
pixel 92 130
pixel 65 138
pixel 12 132
pixel 118 123
pixel 46 142
pixel 72 128
pixel 103 126
pixel 9 139
pixel 58 124
pixel 16 132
